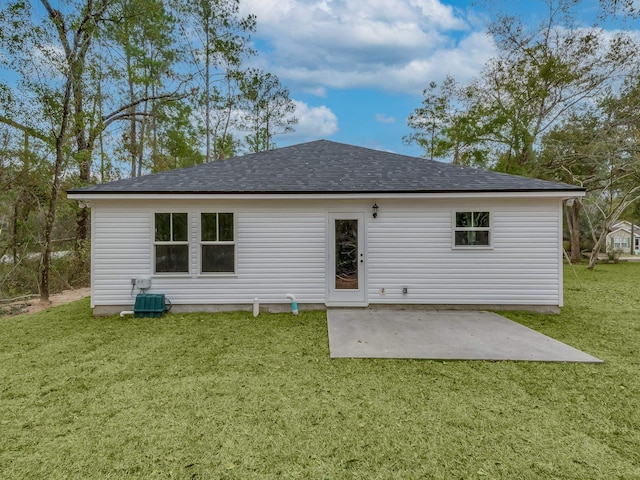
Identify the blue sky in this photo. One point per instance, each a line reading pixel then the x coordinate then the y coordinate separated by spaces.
pixel 357 68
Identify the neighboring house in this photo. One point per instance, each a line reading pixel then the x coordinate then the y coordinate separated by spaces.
pixel 332 224
pixel 619 238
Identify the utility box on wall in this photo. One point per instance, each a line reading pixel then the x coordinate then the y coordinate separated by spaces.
pixel 149 305
pixel 143 283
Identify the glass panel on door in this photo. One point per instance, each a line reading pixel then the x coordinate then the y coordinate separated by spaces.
pixel 346 254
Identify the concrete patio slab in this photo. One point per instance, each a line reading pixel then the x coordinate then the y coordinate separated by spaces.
pixel 442 335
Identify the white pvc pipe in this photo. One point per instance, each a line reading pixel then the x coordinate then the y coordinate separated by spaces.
pixel 256 307
pixel 126 312
pixel 294 303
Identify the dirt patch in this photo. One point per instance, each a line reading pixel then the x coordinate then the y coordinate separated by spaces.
pixel 34 305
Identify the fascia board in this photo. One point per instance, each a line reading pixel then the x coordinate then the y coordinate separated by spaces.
pixel 89 196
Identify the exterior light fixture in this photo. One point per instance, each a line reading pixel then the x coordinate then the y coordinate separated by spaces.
pixel 375 210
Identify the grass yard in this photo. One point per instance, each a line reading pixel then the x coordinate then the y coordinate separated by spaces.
pixel 230 396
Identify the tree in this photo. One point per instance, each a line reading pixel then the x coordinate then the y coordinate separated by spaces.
pixel 619 137
pixel 178 144
pixel 22 191
pixel 143 32
pixel 431 121
pixel 568 156
pixel 222 38
pixel 627 8
pixel 537 81
pixel 267 109
pixel 225 118
pixel 444 126
pixel 538 77
pixel 48 102
pixel 73 69
pixel 73 36
pixel 600 151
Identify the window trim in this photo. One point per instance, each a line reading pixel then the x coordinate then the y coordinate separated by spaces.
pixel 623 243
pixel 156 243
pixel 455 229
pixel 218 242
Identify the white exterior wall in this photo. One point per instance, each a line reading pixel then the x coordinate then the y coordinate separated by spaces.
pixel 282 247
pixel 410 245
pixel 278 251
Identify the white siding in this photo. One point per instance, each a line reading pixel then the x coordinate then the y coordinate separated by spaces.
pixel 281 247
pixel 410 245
pixel 121 250
pixel 277 251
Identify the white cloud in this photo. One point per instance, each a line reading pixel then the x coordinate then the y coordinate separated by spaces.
pixel 317 91
pixel 396 45
pixel 48 61
pixel 313 123
pixel 382 118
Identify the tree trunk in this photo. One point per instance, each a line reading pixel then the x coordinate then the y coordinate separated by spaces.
pixel 602 240
pixel 133 136
pixel 207 93
pixel 101 158
pixel 75 45
pixel 144 125
pixel 596 249
pixel 572 215
pixel 14 232
pixel 84 152
pixel 154 128
pixel 50 220
pixel 82 219
pixel 576 254
pixel 230 103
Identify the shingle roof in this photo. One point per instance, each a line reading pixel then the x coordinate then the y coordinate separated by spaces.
pixel 325 167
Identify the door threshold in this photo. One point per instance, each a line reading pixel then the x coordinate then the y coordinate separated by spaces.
pixel 346 304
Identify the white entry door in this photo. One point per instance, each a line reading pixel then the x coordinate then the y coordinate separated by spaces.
pixel 346 272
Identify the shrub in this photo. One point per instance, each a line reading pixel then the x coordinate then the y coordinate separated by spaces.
pixel 613 255
pixel 68 270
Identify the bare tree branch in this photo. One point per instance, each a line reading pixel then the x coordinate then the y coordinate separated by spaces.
pixel 29 130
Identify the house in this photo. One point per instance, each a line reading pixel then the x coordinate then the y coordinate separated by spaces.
pixel 333 225
pixel 619 238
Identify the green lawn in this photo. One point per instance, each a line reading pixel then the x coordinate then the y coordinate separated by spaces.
pixel 230 396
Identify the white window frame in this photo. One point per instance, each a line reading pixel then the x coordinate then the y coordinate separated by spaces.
pixel 201 243
pixel 621 243
pixel 156 243
pixel 455 228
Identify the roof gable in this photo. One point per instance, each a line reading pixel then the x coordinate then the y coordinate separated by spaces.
pixel 624 225
pixel 326 167
pixel 627 231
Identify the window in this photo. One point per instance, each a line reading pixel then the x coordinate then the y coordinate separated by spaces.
pixel 171 243
pixel 217 243
pixel 620 243
pixel 472 229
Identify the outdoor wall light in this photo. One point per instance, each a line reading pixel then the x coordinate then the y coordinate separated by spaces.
pixel 375 210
